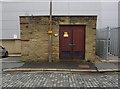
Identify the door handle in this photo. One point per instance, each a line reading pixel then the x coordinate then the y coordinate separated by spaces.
pixel 71 44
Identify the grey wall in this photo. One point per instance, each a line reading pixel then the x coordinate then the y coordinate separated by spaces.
pixel 106 12
pixel 0 21
pixel 119 29
pixel 109 14
pixel 0 42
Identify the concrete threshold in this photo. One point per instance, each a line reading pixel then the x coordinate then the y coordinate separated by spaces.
pixel 47 69
pixel 109 70
pixel 63 70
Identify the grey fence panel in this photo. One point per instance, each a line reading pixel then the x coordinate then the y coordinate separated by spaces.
pixel 101 48
pixel 105 49
pixel 102 33
pixel 119 42
pixel 114 41
pixel 102 42
pixel 107 42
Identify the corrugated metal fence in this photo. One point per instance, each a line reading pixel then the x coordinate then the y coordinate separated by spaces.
pixel 114 41
pixel 107 42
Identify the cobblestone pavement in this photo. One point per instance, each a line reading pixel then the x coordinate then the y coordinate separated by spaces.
pixel 59 79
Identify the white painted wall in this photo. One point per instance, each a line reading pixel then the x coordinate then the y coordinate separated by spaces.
pixel 106 12
pixel 0 43
pixel 119 30
pixel 109 14
pixel 0 21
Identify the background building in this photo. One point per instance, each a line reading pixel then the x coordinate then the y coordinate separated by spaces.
pixel 106 12
pixel 119 30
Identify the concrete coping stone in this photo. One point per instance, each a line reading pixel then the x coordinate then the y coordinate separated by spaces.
pixel 67 70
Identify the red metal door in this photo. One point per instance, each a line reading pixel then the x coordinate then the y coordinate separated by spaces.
pixel 72 42
pixel 79 42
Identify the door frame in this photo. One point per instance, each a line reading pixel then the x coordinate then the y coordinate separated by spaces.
pixel 62 59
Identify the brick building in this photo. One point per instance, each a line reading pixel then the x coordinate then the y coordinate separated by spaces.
pixel 80 30
pixel 24 24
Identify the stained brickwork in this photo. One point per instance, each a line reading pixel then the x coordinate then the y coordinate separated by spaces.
pixel 34 37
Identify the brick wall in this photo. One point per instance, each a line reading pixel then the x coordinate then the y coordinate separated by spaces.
pixel 34 37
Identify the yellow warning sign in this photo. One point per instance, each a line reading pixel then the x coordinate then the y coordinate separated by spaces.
pixel 50 21
pixel 65 34
pixel 50 31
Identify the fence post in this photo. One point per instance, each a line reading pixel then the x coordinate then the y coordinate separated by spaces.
pixel 107 33
pixel 118 42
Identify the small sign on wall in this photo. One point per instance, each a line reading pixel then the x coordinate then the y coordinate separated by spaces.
pixel 15 36
pixel 65 34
